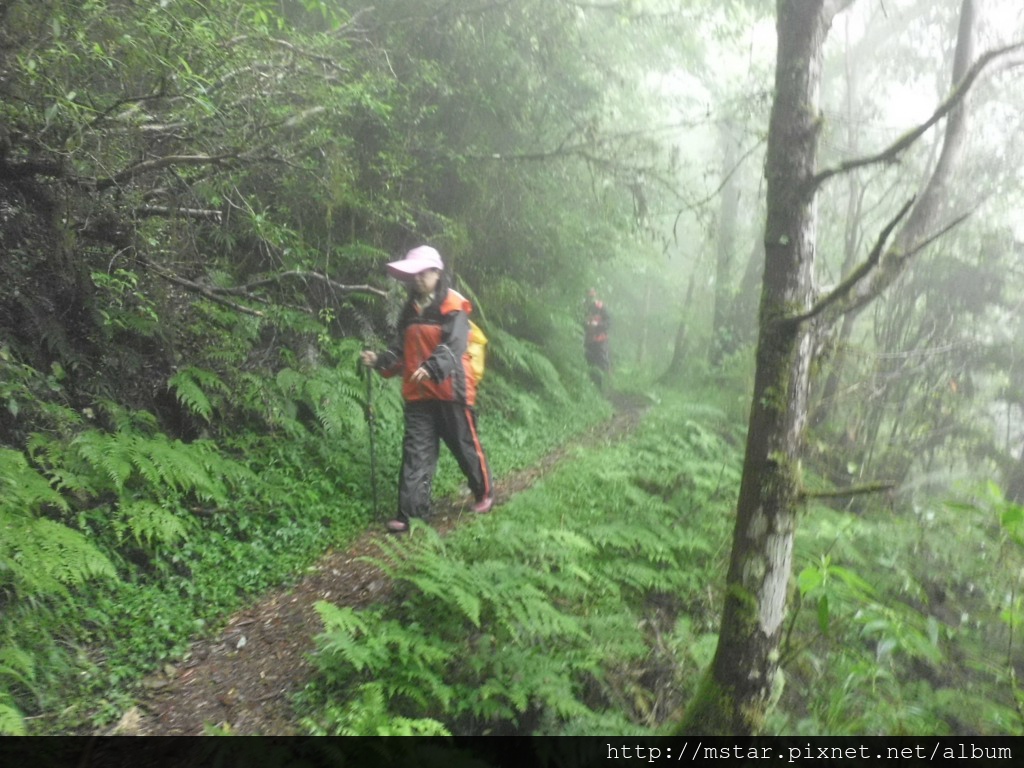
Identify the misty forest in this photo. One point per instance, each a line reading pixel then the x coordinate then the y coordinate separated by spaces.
pixel 793 505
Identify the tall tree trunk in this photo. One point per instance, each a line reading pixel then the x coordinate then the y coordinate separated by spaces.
pixel 677 366
pixel 736 693
pixel 829 396
pixel 738 688
pixel 645 324
pixel 722 336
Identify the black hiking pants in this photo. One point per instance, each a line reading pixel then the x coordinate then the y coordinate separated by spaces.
pixel 427 422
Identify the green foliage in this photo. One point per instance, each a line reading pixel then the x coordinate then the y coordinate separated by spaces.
pixel 193 527
pixel 917 646
pixel 126 308
pixel 41 560
pixel 40 556
pixel 531 619
pixel 33 397
pixel 190 386
pixel 525 361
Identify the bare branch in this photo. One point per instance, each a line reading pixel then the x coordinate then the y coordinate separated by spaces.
pixel 325 60
pixel 902 258
pixel 956 96
pixel 841 493
pixel 146 211
pixel 835 7
pixel 304 276
pixel 843 290
pixel 159 163
pixel 840 300
pixel 202 290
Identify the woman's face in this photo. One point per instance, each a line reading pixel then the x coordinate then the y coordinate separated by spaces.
pixel 425 282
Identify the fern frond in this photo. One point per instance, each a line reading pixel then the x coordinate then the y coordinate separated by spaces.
pixel 189 385
pixel 43 557
pixel 150 523
pixel 11 721
pixel 290 381
pixel 527 358
pixel 343 635
pixel 22 489
pixel 16 664
pixel 105 455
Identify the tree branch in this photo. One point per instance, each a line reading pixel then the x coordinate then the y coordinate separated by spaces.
pixel 956 96
pixel 146 211
pixel 295 274
pixel 857 490
pixel 834 7
pixel 843 290
pixel 202 290
pixel 159 163
pixel 312 55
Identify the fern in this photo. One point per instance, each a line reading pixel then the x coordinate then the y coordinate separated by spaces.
pixel 570 591
pixel 368 715
pixel 357 650
pixel 40 556
pixel 11 721
pixel 524 357
pixel 150 523
pixel 130 461
pixel 190 385
pixel 44 557
pixel 343 637
pixel 334 395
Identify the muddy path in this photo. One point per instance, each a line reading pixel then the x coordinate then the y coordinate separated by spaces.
pixel 243 679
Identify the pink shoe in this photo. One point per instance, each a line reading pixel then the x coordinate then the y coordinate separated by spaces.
pixel 397 526
pixel 484 505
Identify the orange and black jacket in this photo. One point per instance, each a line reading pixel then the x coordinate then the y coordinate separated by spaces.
pixel 434 338
pixel 596 322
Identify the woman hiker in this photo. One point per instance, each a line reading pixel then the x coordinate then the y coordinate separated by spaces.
pixel 437 385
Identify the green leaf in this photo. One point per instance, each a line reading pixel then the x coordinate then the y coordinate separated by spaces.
pixel 823 614
pixel 809 579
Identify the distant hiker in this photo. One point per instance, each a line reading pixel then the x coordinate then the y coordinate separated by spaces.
pixel 438 385
pixel 595 337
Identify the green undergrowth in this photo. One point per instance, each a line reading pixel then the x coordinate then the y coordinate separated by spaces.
pixel 906 621
pixel 583 605
pixel 122 545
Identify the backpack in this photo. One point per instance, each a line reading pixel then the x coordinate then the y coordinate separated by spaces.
pixel 476 348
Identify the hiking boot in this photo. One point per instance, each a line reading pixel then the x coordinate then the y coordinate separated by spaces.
pixel 485 504
pixel 397 526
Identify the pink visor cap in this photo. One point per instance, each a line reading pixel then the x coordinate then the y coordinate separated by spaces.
pixel 417 260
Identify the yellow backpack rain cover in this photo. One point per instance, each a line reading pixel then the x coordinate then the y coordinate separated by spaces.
pixel 476 348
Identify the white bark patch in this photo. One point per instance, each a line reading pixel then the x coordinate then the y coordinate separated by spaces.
pixel 772 597
pixel 755 566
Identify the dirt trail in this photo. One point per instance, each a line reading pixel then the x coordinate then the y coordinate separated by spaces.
pixel 243 679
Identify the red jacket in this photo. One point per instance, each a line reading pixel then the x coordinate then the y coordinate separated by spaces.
pixel 434 338
pixel 596 322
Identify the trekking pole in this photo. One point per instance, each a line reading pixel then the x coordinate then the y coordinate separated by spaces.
pixel 371 419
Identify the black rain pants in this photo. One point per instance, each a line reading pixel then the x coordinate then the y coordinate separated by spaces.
pixel 427 422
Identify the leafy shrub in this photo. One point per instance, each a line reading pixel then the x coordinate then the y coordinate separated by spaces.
pixel 916 647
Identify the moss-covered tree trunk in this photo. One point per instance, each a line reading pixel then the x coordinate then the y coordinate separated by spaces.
pixel 740 682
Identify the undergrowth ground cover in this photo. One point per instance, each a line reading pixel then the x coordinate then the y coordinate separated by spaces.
pixel 586 606
pixel 906 620
pixel 589 606
pixel 128 544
